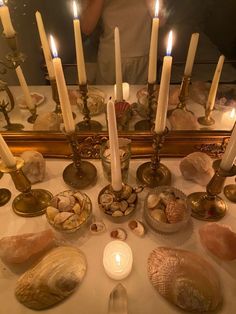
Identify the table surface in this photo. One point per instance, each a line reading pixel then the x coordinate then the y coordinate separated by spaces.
pixel 92 295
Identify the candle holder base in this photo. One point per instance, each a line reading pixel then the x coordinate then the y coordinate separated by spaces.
pixel 206 207
pixel 81 177
pixel 143 125
pixel 230 192
pixel 32 118
pixel 206 121
pixel 14 127
pixel 90 125
pixel 153 178
pixel 5 196
pixel 31 204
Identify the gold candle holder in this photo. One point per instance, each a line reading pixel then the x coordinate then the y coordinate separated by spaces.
pixel 153 174
pixel 147 124
pixel 184 92
pixel 230 192
pixel 87 124
pixel 207 119
pixel 28 203
pixel 33 116
pixel 208 205
pixel 78 174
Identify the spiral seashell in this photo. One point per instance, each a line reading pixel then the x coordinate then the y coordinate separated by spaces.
pixel 185 279
pixel 175 211
pixel 53 279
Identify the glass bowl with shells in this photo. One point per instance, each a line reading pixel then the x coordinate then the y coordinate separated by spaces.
pixel 118 207
pixel 165 209
pixel 69 211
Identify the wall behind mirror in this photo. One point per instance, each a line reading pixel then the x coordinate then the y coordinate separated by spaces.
pixel 212 18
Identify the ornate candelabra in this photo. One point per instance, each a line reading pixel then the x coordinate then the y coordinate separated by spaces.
pixel 28 203
pixel 87 124
pixel 153 174
pixel 78 174
pixel 208 205
pixel 147 124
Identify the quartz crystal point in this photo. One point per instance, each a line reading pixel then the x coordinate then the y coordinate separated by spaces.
pixel 118 300
pixel 19 248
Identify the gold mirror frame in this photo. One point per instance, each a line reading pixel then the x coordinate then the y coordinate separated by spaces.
pixel 177 144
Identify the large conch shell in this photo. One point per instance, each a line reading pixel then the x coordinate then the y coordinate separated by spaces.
pixel 53 279
pixel 185 279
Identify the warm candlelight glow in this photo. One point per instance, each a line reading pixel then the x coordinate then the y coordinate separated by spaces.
pixel 157 8
pixel 169 44
pixel 75 10
pixel 1 3
pixel 53 47
pixel 232 113
pixel 118 259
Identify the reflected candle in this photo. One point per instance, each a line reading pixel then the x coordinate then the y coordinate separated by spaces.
pixel 191 54
pixel 119 87
pixel 6 155
pixel 6 20
pixel 125 87
pixel 117 259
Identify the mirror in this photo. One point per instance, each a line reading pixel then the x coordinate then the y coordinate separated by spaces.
pixel 184 17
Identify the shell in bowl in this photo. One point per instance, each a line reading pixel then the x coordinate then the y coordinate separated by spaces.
pixel 69 211
pixel 166 210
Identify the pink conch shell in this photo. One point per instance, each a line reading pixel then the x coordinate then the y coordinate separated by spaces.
pixel 185 279
pixel 19 248
pixel 219 239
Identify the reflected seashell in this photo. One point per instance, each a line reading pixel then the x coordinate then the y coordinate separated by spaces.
pixel 153 200
pixel 137 227
pixel 65 203
pixel 219 239
pixel 117 213
pixel 53 279
pixel 175 211
pixel 119 234
pixel 122 108
pixel 159 215
pixel 51 212
pixel 97 227
pixel 185 279
pixel 61 217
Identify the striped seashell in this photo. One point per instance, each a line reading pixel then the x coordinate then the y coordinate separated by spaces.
pixel 175 211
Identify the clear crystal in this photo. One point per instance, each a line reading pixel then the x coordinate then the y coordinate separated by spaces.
pixel 118 300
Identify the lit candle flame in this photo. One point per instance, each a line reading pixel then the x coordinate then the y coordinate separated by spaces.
pixel 232 113
pixel 117 258
pixel 157 8
pixel 53 47
pixel 169 44
pixel 1 3
pixel 75 10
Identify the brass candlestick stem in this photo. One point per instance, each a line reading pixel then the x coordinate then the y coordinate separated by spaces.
pixel 207 119
pixel 184 92
pixel 28 203
pixel 154 173
pixel 147 124
pixel 78 174
pixel 55 96
pixel 87 124
pixel 208 205
pixel 33 116
pixel 230 192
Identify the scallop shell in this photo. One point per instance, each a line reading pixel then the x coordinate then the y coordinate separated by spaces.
pixel 137 227
pixel 185 279
pixel 119 234
pixel 175 211
pixel 121 108
pixel 53 279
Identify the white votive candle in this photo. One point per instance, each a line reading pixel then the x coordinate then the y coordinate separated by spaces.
pixel 117 259
pixel 6 155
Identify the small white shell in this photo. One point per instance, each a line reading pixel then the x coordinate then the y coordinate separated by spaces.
pixel 137 227
pixel 97 227
pixel 119 234
pixel 153 200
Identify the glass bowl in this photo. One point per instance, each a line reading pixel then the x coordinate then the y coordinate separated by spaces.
pixel 69 211
pixel 162 224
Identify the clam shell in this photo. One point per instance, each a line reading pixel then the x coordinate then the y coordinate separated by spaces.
pixel 153 200
pixel 52 212
pixel 159 215
pixel 185 279
pixel 175 211
pixel 53 279
pixel 65 203
pixel 137 227
pixel 119 234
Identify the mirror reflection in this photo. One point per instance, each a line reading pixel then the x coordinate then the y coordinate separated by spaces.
pixel 134 20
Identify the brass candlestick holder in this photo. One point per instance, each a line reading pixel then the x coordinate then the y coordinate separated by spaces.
pixel 208 205
pixel 33 116
pixel 230 192
pixel 28 203
pixel 147 124
pixel 153 174
pixel 87 124
pixel 78 174
pixel 207 119
pixel 55 97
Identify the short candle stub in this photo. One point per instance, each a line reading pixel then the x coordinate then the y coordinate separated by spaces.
pixel 117 260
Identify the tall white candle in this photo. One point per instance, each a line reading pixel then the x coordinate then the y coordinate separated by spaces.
pixel 117 259
pixel 6 20
pixel 25 89
pixel 152 66
pixel 79 48
pixel 230 152
pixel 163 97
pixel 62 91
pixel 6 155
pixel 116 179
pixel 45 45
pixel 191 54
pixel 119 89
pixel 214 85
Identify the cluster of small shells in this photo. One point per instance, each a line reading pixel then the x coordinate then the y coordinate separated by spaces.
pixel 69 210
pixel 166 207
pixel 124 206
